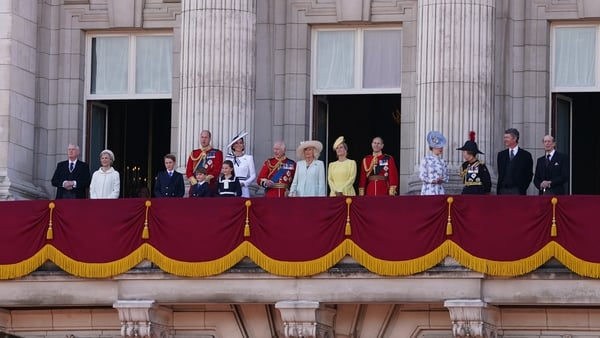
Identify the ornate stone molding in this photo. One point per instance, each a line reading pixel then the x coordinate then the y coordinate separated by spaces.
pixel 472 318
pixel 143 318
pixel 306 319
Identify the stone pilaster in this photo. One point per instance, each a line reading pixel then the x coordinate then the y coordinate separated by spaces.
pixel 143 318
pixel 217 71
pixel 455 75
pixel 18 65
pixel 4 320
pixel 472 318
pixel 306 319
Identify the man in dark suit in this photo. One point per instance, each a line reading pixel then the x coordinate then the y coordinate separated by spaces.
pixel 169 183
pixel 551 170
pixel 71 177
pixel 515 166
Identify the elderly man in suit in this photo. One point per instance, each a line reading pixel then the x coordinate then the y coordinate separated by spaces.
pixel 71 177
pixel 515 166
pixel 551 170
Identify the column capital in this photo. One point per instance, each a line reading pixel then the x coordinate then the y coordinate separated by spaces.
pixel 143 318
pixel 306 319
pixel 472 318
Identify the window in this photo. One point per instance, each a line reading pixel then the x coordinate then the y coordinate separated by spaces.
pixel 357 60
pixel 130 66
pixel 574 58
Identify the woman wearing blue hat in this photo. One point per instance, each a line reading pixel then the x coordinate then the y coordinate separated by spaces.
pixel 434 171
pixel 475 174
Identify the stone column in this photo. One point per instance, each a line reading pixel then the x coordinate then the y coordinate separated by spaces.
pixel 306 319
pixel 455 76
pixel 217 88
pixel 143 318
pixel 472 318
pixel 18 84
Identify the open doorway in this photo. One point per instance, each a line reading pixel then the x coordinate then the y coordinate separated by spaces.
pixel 575 117
pixel 139 134
pixel 359 118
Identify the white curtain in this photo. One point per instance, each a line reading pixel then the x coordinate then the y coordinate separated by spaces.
pixel 574 57
pixel 382 58
pixel 109 65
pixel 335 59
pixel 154 64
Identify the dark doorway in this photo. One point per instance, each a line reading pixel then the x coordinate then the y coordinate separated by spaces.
pixel 139 134
pixel 574 122
pixel 359 118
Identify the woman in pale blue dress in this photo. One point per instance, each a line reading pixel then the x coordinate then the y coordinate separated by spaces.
pixel 309 178
pixel 434 171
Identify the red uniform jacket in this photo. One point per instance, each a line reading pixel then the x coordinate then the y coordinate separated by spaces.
pixel 378 176
pixel 210 159
pixel 281 172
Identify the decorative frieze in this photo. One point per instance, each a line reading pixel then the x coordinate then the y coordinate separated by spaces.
pixel 143 318
pixel 472 318
pixel 306 319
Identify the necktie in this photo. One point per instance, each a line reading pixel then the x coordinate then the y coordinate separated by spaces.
pixel 71 166
pixel 547 159
pixel 512 154
pixel 170 173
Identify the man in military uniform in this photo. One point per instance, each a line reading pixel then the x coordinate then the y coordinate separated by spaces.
pixel 378 173
pixel 206 157
pixel 277 173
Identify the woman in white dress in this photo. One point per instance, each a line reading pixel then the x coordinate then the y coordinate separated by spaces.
pixel 243 164
pixel 106 182
pixel 434 171
pixel 309 178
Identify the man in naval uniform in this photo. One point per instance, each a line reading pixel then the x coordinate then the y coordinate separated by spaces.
pixel 378 173
pixel 206 157
pixel 277 173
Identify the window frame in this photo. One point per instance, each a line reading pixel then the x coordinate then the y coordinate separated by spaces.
pixel 358 61
pixel 131 66
pixel 553 45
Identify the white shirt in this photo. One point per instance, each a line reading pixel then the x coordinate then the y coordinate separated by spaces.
pixel 105 184
pixel 309 180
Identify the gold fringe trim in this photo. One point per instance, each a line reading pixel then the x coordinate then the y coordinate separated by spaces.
pixel 146 232
pixel 397 268
pixel 96 270
pixel 24 267
pixel 297 269
pixel 502 268
pixel 348 229
pixel 197 269
pixel 553 229
pixel 450 200
pixel 577 265
pixel 248 203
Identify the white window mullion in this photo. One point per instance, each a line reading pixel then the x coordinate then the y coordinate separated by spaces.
pixel 358 56
pixel 131 73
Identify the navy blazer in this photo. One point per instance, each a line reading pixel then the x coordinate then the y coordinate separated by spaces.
pixel 203 190
pixel 556 171
pixel 80 174
pixel 522 169
pixel 169 186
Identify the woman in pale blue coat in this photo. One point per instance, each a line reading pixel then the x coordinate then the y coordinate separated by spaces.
pixel 309 179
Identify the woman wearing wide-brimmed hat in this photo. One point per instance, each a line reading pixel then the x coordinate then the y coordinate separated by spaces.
pixel 341 173
pixel 433 170
pixel 243 164
pixel 475 174
pixel 309 178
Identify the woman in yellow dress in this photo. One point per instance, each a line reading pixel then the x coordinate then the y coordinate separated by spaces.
pixel 341 173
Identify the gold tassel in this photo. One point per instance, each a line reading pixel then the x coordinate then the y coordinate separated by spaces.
pixel 553 229
pixel 50 231
pixel 449 225
pixel 146 231
pixel 248 203
pixel 348 231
